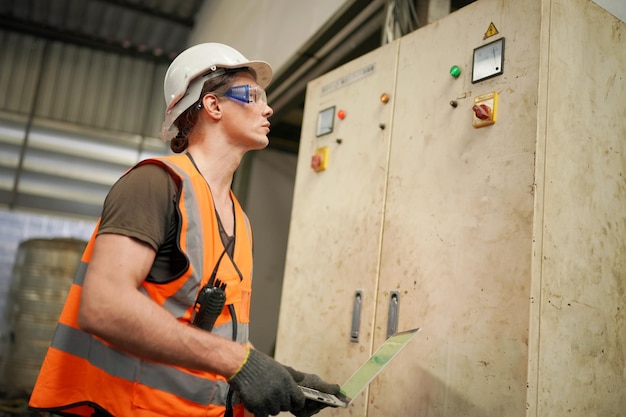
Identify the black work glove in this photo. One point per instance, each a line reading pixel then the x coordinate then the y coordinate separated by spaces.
pixel 311 381
pixel 265 386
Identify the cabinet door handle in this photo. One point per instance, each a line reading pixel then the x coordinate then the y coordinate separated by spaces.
pixel 356 316
pixel 393 316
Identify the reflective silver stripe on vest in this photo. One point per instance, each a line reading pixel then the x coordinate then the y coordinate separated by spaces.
pixel 195 243
pixel 226 330
pixel 176 304
pixel 79 278
pixel 162 377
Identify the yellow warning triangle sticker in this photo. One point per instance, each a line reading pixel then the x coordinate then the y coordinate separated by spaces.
pixel 491 31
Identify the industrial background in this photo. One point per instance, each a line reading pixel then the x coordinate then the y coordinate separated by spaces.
pixel 81 101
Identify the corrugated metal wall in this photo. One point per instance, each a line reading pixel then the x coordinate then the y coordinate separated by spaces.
pixel 72 120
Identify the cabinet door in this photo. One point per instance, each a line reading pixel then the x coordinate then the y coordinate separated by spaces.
pixel 458 223
pixel 336 223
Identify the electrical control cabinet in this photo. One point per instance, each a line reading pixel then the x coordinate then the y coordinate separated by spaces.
pixel 335 232
pixel 504 242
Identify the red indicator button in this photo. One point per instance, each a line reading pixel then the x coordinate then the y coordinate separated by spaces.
pixel 341 114
pixel 316 162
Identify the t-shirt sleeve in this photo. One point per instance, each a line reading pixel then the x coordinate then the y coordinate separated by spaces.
pixel 141 205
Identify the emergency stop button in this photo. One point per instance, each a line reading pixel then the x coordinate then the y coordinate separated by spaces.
pixel 319 161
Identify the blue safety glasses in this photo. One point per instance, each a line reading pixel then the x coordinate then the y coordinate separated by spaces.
pixel 247 94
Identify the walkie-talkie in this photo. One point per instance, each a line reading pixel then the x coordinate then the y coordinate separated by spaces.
pixel 211 298
pixel 209 305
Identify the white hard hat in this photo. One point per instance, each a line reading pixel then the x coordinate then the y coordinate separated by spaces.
pixel 189 70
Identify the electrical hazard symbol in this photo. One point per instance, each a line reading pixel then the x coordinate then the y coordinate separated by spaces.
pixel 491 31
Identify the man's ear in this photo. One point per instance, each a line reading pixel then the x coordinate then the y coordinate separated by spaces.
pixel 211 105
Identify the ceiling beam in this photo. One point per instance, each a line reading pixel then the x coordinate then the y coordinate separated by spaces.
pixel 80 39
pixel 141 8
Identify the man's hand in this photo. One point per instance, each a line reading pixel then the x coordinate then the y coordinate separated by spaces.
pixel 265 386
pixel 311 381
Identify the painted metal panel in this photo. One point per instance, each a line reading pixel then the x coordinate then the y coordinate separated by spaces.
pixel 458 221
pixel 336 227
pixel 580 302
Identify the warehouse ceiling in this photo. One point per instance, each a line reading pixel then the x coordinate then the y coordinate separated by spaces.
pixel 48 92
pixel 152 29
pixel 157 30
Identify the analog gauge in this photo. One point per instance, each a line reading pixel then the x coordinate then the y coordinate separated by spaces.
pixel 488 60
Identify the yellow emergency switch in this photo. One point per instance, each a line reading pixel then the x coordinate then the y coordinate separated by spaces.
pixel 319 161
pixel 485 110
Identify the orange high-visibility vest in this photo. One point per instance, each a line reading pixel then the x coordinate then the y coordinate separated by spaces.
pixel 82 373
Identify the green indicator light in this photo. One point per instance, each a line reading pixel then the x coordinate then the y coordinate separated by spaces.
pixel 455 71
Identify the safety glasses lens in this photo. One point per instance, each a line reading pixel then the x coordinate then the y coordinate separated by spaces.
pixel 247 94
pixel 261 95
pixel 239 92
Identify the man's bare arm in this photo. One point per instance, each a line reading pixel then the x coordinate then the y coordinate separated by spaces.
pixel 113 309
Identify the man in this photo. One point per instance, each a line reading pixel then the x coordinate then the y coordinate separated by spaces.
pixel 131 340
